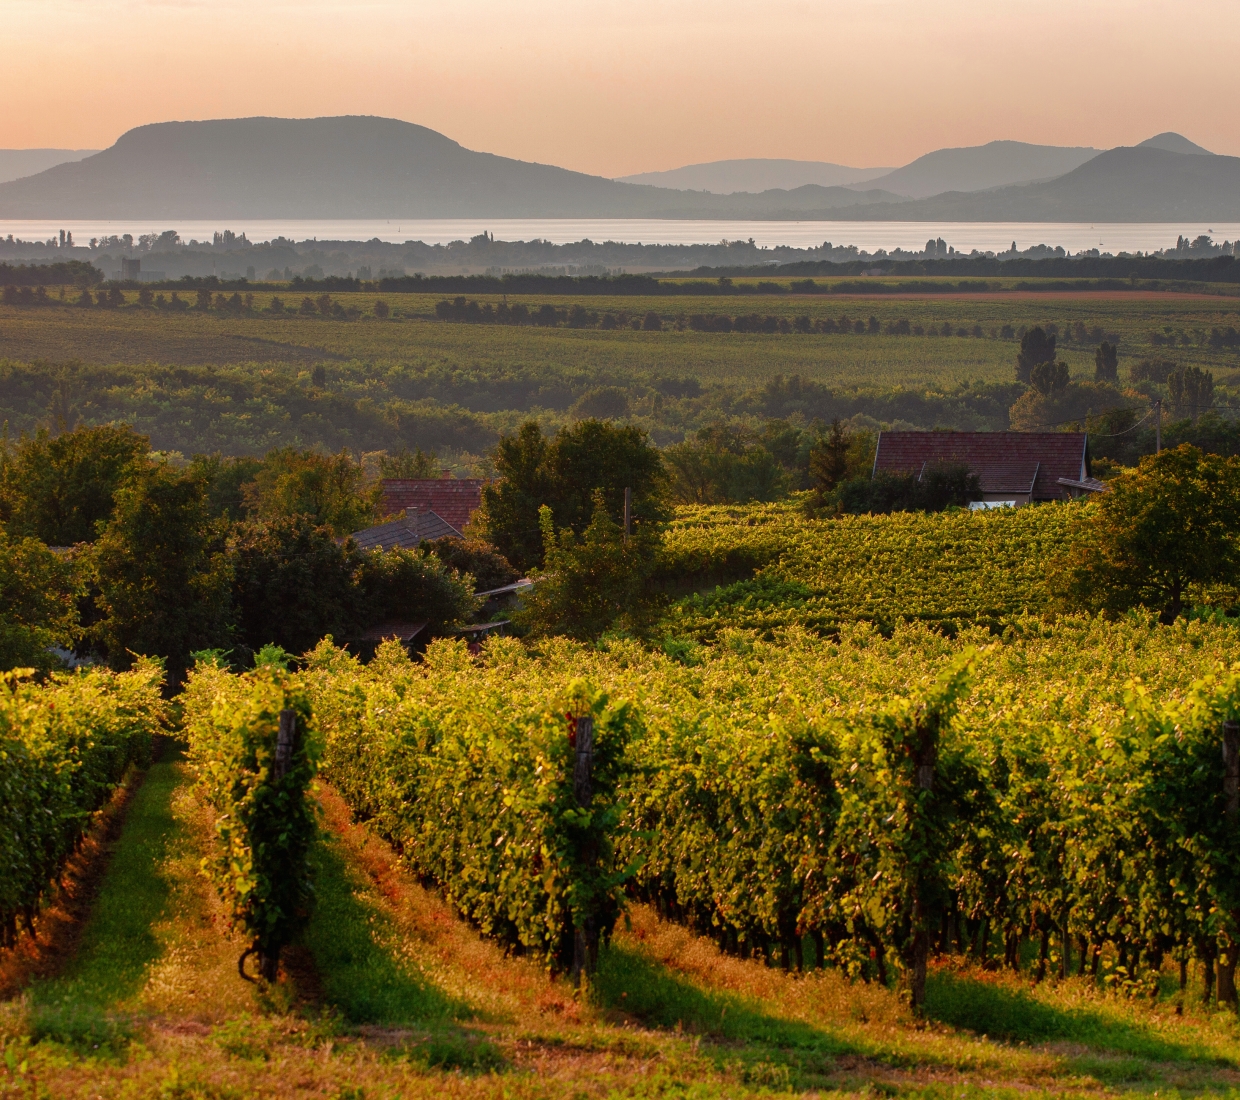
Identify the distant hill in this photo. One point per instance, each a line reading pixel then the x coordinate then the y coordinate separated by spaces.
pixel 365 167
pixel 15 163
pixel 1174 143
pixel 1138 184
pixel 726 177
pixel 355 167
pixel 979 167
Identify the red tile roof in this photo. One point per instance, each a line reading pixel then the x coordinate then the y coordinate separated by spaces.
pixel 1003 461
pixel 453 499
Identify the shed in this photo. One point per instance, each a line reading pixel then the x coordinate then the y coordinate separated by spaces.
pixel 1012 467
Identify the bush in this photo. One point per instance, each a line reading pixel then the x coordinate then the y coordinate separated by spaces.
pixel 939 487
pixel 488 567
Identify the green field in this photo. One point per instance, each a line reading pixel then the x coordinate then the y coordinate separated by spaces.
pixel 243 382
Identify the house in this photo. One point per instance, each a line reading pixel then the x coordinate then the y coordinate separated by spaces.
pixel 453 499
pixel 1013 468
pixel 406 531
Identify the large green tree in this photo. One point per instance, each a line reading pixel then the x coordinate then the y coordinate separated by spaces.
pixel 160 573
pixel 564 473
pixel 38 603
pixel 1168 526
pixel 58 488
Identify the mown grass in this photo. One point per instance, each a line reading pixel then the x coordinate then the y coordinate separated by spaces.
pixel 119 942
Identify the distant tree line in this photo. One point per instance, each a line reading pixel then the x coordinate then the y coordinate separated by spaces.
pixel 61 273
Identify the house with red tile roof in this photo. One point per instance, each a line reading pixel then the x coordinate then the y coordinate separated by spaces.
pixel 1012 467
pixel 453 499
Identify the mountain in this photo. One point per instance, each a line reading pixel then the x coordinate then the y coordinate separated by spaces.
pixel 979 167
pixel 15 163
pixel 1129 184
pixel 725 177
pixel 366 167
pixel 357 167
pixel 1174 143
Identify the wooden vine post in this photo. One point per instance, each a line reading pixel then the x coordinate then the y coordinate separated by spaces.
pixel 585 934
pixel 286 743
pixel 1231 796
pixel 925 758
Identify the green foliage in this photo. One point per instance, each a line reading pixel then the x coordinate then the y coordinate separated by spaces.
pixel 265 825
pixel 292 583
pixel 564 473
pixel 1106 363
pixel 488 567
pixel 60 489
pixel 403 585
pixel 590 584
pixel 469 771
pixel 724 466
pixel 937 487
pixel 951 568
pixel 329 488
pixel 1036 347
pixel 38 603
pixel 64 748
pixel 160 573
pixel 1169 525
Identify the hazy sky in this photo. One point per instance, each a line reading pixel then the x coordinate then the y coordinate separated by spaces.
pixel 619 87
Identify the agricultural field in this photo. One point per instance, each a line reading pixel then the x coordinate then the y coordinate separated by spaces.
pixel 243 380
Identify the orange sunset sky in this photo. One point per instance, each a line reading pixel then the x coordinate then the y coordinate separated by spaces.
pixel 620 87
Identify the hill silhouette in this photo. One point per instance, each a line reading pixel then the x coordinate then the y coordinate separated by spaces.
pixel 367 167
pixel 980 167
pixel 756 174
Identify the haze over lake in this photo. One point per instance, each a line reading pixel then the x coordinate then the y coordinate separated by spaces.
pixel 867 236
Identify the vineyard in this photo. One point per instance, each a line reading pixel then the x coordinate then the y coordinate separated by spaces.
pixel 827 836
pixel 763 567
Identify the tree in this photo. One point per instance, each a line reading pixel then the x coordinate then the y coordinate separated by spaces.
pixel 489 568
pixel 1050 378
pixel 1035 347
pixel 1106 363
pixel 330 488
pixel 410 464
pixel 160 573
pixel 292 584
pixel 38 603
pixel 1167 527
pixel 828 461
pixel 564 473
pixel 723 465
pixel 58 489
pixel 1191 390
pixel 381 309
pixel 592 583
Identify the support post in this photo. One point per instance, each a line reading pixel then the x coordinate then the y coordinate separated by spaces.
pixel 585 935
pixel 926 758
pixel 1231 811
pixel 285 742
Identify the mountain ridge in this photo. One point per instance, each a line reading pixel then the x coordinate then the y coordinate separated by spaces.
pixel 363 166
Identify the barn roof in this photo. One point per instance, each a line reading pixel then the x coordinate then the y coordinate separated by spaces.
pixel 1015 462
pixel 454 499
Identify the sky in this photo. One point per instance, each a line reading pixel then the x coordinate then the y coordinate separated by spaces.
pixel 614 88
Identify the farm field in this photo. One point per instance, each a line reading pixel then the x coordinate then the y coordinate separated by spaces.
pixel 240 383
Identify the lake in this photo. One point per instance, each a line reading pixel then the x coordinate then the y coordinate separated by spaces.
pixel 867 236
